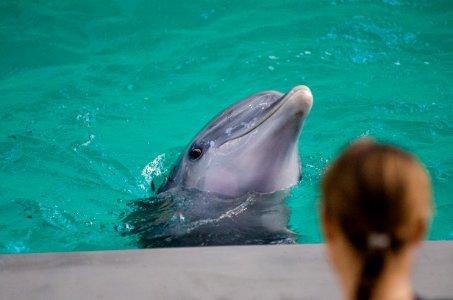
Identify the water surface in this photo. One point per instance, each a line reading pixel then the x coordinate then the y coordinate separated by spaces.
pixel 97 97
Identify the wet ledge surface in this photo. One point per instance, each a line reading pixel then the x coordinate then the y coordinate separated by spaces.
pixel 240 272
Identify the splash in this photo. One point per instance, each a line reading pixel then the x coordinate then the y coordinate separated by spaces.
pixel 154 170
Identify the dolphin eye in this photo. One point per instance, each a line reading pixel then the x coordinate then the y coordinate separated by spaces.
pixel 195 153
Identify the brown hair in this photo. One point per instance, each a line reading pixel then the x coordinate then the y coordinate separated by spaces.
pixel 377 195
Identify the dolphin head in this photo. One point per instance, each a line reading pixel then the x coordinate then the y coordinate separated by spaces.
pixel 252 146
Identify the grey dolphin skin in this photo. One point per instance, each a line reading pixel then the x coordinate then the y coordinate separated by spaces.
pixel 252 146
pixel 230 184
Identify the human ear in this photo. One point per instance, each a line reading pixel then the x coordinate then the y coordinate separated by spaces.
pixel 419 232
pixel 326 225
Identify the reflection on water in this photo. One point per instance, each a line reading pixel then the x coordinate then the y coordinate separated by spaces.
pixel 192 218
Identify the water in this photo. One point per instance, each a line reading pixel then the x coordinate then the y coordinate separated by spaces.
pixel 97 97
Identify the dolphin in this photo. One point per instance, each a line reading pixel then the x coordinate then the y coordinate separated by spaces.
pixel 252 146
pixel 230 183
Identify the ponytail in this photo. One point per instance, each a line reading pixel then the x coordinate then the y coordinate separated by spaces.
pixel 372 267
pixel 376 247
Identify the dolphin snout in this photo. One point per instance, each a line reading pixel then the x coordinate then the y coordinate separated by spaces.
pixel 301 96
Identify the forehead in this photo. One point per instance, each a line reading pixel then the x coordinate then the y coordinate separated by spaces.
pixel 239 117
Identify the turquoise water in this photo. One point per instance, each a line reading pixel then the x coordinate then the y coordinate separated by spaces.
pixel 97 97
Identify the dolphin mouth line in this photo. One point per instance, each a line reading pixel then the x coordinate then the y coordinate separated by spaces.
pixel 280 102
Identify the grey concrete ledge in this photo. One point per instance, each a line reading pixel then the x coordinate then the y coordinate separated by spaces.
pixel 240 272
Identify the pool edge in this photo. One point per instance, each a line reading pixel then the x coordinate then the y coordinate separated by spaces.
pixel 230 272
